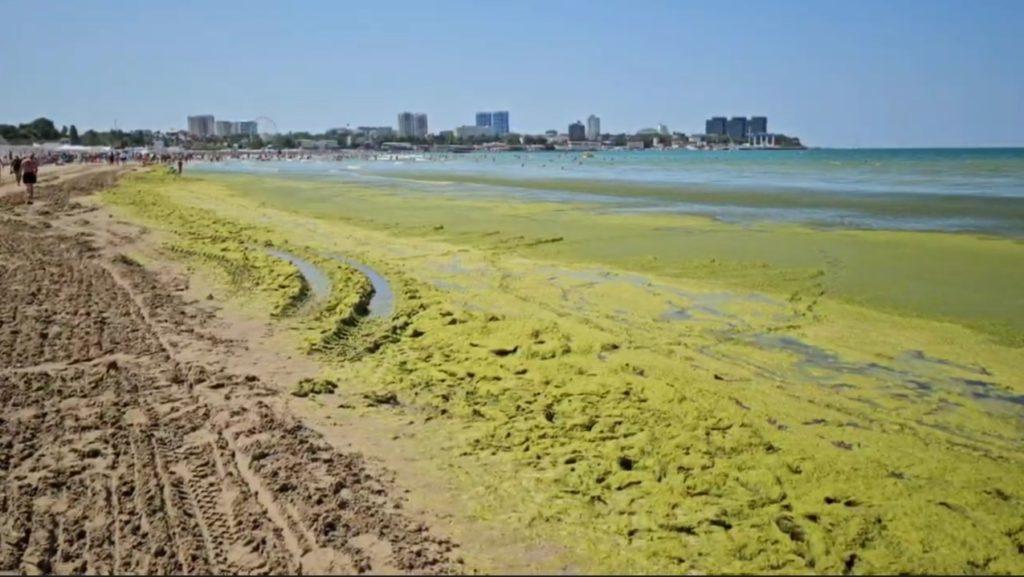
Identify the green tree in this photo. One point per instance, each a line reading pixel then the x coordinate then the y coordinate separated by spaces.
pixel 91 138
pixel 283 141
pixel 41 129
pixel 10 133
pixel 73 135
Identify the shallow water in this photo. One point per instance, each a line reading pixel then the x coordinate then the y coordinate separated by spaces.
pixel 317 280
pixel 382 303
pixel 910 372
pixel 979 190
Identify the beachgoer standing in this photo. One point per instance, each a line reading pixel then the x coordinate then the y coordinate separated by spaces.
pixel 16 169
pixel 180 165
pixel 29 173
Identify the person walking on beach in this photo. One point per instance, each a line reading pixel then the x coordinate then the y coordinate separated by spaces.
pixel 29 172
pixel 16 169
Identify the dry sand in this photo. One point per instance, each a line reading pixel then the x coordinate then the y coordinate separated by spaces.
pixel 123 450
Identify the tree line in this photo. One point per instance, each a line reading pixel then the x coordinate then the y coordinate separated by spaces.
pixel 44 130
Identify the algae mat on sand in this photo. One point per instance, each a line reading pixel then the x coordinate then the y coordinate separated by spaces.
pixel 775 409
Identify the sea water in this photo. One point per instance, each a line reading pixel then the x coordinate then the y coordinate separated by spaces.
pixel 976 190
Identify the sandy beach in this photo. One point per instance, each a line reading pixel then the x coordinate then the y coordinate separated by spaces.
pixel 129 447
pixel 512 288
pixel 253 374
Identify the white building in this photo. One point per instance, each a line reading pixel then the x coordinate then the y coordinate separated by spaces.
pixel 376 133
pixel 762 140
pixel 202 125
pixel 406 124
pixel 245 128
pixel 474 131
pixel 412 125
pixel 419 125
pixel 593 128
pixel 223 128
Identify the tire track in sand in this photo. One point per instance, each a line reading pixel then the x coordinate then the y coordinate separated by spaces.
pixel 116 457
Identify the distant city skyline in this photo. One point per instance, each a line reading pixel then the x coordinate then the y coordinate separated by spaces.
pixel 871 73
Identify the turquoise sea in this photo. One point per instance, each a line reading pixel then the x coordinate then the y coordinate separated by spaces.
pixel 969 190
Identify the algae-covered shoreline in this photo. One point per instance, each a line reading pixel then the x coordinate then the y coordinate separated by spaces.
pixel 660 392
pixel 965 278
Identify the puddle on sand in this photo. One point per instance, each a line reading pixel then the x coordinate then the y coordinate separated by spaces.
pixel 382 303
pixel 315 278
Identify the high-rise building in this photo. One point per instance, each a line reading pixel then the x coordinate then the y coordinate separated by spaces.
pixel 662 130
pixel 412 125
pixel 222 128
pixel 757 125
pixel 420 125
pixel 499 122
pixel 715 125
pixel 736 128
pixel 246 128
pixel 593 127
pixel 577 132
pixel 496 120
pixel 202 125
pixel 406 124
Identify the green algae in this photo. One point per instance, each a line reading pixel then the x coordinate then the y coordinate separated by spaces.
pixel 221 245
pixel 313 387
pixel 776 428
pixel 964 278
pixel 243 254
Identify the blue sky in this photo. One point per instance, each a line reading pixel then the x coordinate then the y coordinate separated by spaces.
pixel 852 73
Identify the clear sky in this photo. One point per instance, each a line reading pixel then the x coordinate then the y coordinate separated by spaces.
pixel 836 73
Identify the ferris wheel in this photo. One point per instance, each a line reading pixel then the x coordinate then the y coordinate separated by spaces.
pixel 266 125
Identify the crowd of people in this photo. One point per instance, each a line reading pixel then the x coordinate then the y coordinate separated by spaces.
pixel 24 168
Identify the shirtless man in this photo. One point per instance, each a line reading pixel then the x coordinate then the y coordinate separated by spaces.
pixel 29 175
